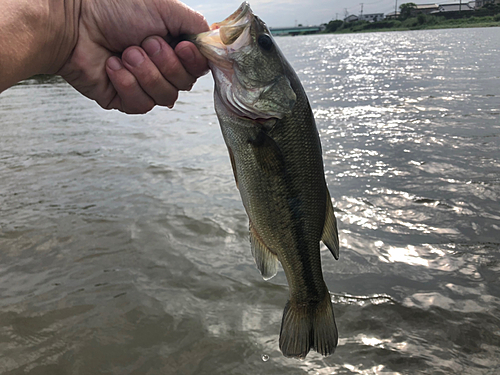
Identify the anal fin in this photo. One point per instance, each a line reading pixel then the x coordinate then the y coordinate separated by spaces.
pixel 266 260
pixel 330 236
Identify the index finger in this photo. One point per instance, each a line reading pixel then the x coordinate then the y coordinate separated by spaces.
pixel 193 61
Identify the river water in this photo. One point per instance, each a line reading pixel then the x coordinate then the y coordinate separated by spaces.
pixel 124 244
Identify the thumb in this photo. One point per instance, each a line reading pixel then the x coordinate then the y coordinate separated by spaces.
pixel 181 19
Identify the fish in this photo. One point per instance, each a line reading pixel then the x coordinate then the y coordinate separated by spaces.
pixel 275 153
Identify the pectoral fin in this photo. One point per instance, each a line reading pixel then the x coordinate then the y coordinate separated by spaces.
pixel 233 165
pixel 267 261
pixel 267 153
pixel 330 235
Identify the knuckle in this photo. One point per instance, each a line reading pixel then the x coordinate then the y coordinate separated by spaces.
pixel 168 100
pixel 173 68
pixel 150 79
pixel 127 82
pixel 111 103
pixel 200 19
pixel 138 109
pixel 109 107
pixel 189 85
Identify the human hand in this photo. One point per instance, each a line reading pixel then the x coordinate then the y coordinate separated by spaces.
pixel 149 71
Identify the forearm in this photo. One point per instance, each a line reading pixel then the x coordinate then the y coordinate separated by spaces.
pixel 36 36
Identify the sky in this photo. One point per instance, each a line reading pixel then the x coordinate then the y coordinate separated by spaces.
pixel 280 13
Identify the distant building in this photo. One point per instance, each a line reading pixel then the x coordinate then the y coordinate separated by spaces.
pixel 456 7
pixel 392 15
pixel 424 8
pixel 482 3
pixel 374 17
pixel 351 18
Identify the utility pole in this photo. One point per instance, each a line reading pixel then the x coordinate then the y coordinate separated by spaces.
pixel 361 15
pixel 460 7
pixel 336 16
pixel 396 9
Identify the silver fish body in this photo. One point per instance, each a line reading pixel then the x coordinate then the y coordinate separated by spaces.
pixel 275 153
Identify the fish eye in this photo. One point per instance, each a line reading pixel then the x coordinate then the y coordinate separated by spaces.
pixel 265 42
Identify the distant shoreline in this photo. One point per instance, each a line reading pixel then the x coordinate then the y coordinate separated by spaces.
pixel 420 22
pixel 437 27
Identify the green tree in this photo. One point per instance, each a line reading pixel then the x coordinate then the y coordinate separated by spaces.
pixel 333 25
pixel 405 10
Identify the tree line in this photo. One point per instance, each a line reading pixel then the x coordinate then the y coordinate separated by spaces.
pixel 409 19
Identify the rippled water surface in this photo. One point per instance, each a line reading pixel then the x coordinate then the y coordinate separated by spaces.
pixel 124 244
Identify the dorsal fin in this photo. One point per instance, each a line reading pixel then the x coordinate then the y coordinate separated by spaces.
pixel 330 236
pixel 266 260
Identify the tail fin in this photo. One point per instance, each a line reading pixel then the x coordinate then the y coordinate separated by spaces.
pixel 306 327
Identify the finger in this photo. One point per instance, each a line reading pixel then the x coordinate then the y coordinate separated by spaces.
pixel 182 19
pixel 167 62
pixel 130 97
pixel 149 77
pixel 191 58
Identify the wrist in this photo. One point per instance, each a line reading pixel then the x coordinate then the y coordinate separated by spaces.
pixel 61 33
pixel 37 37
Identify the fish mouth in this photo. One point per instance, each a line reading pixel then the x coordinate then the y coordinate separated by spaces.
pixel 233 26
pixel 237 15
pixel 226 36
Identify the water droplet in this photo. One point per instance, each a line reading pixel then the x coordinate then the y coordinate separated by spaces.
pixel 265 357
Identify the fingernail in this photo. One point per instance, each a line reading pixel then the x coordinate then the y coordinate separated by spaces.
pixel 114 63
pixel 151 46
pixel 134 57
pixel 186 54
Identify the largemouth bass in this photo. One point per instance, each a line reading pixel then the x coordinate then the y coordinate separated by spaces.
pixel 275 152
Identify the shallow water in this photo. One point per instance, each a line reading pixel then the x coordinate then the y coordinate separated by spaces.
pixel 124 244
